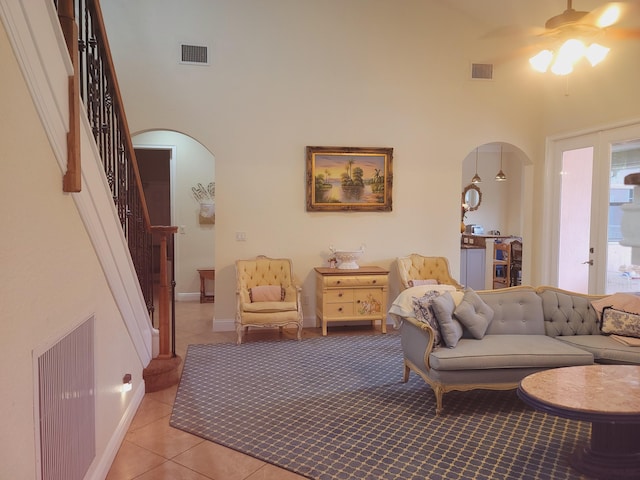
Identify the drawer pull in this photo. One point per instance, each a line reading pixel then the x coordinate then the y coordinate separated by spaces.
pixel 338 282
pixel 340 294
pixel 358 301
pixel 374 281
pixel 340 309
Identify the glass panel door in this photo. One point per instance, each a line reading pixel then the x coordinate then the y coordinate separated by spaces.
pixel 623 267
pixel 588 210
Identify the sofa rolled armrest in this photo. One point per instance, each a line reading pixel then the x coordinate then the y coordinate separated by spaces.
pixel 417 343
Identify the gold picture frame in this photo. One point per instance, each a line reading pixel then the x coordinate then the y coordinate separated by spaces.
pixel 354 179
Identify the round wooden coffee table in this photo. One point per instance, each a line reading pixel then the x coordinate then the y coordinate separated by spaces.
pixel 608 396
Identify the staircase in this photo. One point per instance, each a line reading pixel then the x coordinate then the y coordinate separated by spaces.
pixel 64 55
pixel 94 82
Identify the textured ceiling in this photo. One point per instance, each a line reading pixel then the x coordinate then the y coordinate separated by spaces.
pixel 523 13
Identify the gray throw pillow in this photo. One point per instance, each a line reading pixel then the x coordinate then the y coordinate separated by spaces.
pixel 443 307
pixel 474 314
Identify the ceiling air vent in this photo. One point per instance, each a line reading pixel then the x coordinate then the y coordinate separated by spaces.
pixel 194 54
pixel 483 71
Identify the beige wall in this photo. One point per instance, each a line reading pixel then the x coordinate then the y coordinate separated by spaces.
pixel 287 74
pixel 51 281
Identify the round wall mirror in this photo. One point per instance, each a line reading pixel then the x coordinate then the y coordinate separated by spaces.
pixel 472 197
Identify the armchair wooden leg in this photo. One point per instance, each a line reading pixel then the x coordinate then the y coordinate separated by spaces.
pixel 239 334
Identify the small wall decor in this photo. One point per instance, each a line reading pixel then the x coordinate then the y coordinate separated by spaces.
pixel 349 179
pixel 206 199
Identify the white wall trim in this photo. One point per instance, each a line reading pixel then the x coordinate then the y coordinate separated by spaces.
pixel 102 464
pixel 103 225
pixel 188 297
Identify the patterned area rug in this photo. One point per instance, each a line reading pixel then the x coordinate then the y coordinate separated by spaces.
pixel 335 408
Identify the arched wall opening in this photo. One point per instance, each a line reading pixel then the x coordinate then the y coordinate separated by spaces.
pixel 191 169
pixel 500 217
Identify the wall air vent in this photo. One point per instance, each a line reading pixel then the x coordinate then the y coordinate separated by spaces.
pixel 483 71
pixel 194 54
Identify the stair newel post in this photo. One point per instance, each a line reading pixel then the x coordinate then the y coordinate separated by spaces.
pixel 164 303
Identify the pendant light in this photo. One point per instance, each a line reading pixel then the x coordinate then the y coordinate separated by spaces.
pixel 476 178
pixel 501 177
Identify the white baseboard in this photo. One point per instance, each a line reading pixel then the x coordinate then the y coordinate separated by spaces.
pixel 188 297
pixel 101 466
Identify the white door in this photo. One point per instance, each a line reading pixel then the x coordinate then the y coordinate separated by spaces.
pixel 586 251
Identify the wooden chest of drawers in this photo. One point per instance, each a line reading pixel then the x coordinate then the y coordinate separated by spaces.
pixel 351 295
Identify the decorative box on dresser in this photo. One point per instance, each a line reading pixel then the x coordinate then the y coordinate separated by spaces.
pixel 351 295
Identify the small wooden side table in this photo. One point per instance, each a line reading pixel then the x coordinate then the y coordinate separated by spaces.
pixel 351 295
pixel 206 274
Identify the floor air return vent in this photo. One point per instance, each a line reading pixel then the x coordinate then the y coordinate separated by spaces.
pixel 66 405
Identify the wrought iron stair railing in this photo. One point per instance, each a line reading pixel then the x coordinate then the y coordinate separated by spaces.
pixel 95 83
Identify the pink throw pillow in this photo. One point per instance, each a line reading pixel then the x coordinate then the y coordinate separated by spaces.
pixel 267 293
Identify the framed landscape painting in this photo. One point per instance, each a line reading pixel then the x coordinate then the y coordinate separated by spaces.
pixel 354 179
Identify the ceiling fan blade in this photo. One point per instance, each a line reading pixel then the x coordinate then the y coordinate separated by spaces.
pixel 606 15
pixel 515 54
pixel 618 33
pixel 513 32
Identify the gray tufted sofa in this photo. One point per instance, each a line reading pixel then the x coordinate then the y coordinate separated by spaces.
pixel 532 329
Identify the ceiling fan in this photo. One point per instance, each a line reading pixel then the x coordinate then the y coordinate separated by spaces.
pixel 573 35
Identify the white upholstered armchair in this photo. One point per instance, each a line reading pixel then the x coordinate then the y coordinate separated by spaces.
pixel 416 267
pixel 267 295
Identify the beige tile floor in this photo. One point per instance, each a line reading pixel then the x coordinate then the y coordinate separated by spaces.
pixel 153 450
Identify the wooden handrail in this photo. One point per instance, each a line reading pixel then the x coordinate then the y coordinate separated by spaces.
pixel 72 180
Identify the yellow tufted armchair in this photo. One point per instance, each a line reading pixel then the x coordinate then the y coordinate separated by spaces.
pixel 418 267
pixel 266 295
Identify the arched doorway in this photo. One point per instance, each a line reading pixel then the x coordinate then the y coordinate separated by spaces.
pixel 498 218
pixel 189 165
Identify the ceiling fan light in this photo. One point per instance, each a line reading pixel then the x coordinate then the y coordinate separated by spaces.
pixel 571 51
pixel 596 53
pixel 541 61
pixel 561 68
